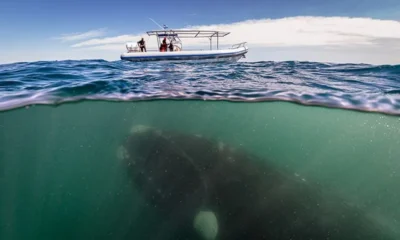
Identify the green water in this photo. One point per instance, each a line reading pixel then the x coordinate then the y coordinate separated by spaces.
pixel 60 177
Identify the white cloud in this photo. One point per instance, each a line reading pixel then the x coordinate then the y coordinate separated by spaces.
pixel 109 40
pixel 290 32
pixel 81 36
pixel 108 47
pixel 324 39
pixel 309 31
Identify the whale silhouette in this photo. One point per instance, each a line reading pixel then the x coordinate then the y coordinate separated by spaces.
pixel 204 189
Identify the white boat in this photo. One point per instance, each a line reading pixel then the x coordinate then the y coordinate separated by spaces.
pixel 232 54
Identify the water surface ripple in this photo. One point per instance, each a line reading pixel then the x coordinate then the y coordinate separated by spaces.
pixel 353 86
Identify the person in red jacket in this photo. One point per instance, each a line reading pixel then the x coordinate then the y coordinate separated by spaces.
pixel 163 47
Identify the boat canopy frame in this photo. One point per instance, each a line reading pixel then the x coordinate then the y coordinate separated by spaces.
pixel 175 35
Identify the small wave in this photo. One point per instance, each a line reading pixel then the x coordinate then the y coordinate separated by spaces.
pixel 397 91
pixel 10 84
pixel 351 86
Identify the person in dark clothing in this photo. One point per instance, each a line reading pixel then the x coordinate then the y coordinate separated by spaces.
pixel 171 47
pixel 142 45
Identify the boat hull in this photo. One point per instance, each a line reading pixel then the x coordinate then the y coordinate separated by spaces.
pixel 228 55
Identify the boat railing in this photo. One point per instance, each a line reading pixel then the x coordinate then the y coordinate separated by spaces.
pixel 238 45
pixel 137 49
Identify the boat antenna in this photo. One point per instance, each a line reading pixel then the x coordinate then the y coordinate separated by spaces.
pixel 157 23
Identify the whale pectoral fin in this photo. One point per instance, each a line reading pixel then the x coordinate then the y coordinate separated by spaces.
pixel 206 225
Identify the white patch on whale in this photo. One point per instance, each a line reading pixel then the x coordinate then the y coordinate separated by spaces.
pixel 122 153
pixel 221 146
pixel 139 128
pixel 143 128
pixel 206 225
pixel 298 176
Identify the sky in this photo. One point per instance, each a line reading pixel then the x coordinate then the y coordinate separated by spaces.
pixel 350 31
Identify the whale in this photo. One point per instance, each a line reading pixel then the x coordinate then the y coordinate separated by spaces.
pixel 205 189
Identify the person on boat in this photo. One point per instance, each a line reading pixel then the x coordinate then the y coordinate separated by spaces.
pixel 171 47
pixel 163 47
pixel 142 45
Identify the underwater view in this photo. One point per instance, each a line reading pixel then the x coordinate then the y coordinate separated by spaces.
pixel 251 150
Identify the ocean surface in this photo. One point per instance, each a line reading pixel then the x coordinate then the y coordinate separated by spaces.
pixel 352 86
pixel 335 127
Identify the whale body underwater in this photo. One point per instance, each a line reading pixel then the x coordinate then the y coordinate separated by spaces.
pixel 204 189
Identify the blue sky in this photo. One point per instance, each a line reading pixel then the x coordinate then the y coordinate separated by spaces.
pixel 35 25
